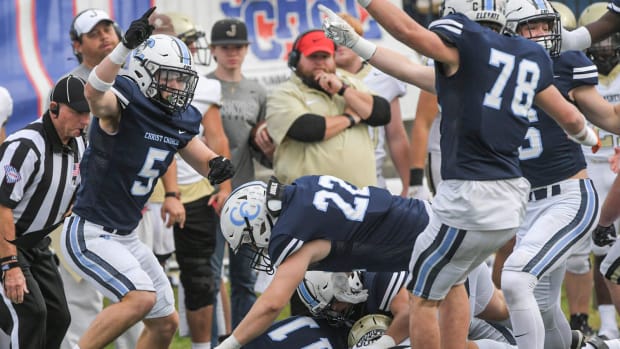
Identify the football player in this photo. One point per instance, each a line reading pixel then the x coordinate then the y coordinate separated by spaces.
pixel 146 118
pixel 320 222
pixel 486 84
pixel 584 36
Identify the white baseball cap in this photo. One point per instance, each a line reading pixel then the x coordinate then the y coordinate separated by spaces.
pixel 6 105
pixel 88 19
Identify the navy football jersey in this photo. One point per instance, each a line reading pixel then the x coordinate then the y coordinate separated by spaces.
pixel 547 154
pixel 484 104
pixel 614 6
pixel 301 332
pixel 382 288
pixel 120 170
pixel 369 228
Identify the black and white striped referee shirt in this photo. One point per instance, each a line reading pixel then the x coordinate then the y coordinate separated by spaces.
pixel 38 175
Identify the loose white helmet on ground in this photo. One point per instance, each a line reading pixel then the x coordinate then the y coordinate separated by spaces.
pixel 163 69
pixel 244 220
pixel 367 330
pixel 483 11
pixel 567 17
pixel 522 12
pixel 320 289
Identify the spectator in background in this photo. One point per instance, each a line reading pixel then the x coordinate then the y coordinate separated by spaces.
pixel 39 175
pixel 6 109
pixel 243 114
pixel 391 89
pixel 315 116
pixel 195 241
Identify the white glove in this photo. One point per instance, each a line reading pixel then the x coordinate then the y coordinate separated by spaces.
pixel 343 34
pixel 383 342
pixel 419 192
pixel 578 39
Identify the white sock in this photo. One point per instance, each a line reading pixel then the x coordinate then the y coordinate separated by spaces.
pixel 613 343
pixel 201 345
pixel 607 313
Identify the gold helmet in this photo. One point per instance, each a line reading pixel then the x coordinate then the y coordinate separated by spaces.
pixel 591 13
pixel 367 330
pixel 606 53
pixel 181 26
pixel 567 17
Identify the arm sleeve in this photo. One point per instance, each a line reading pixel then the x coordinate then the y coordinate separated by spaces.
pixel 308 128
pixel 380 114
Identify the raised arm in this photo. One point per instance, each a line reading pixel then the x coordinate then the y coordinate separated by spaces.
pixel 386 60
pixel 101 100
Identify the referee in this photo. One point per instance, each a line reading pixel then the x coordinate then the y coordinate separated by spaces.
pixel 39 174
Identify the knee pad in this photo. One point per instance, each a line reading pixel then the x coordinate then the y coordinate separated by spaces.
pixel 518 287
pixel 198 281
pixel 578 264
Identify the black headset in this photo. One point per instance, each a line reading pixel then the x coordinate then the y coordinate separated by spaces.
pixel 295 55
pixel 75 37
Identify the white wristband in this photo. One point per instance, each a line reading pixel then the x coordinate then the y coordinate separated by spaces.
pixel 586 136
pixel 364 48
pixel 119 54
pixel 364 3
pixel 96 83
pixel 578 39
pixel 384 342
pixel 230 343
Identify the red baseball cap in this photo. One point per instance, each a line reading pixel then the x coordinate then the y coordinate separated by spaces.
pixel 315 41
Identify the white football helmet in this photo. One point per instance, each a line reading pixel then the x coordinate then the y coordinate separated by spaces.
pixel 245 220
pixel 606 53
pixel 320 289
pixel 522 12
pixel 482 11
pixel 368 330
pixel 163 69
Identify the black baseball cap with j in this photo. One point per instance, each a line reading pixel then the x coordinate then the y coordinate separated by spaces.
pixel 229 31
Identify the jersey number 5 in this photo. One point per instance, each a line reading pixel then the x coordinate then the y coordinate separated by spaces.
pixel 148 172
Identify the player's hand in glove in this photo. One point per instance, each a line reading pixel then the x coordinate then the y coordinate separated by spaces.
pixel 139 30
pixel 220 169
pixel 343 34
pixel 604 236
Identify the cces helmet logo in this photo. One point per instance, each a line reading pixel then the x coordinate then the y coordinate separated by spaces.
pixel 238 215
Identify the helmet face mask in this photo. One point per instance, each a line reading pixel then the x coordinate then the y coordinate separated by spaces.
pixel 245 220
pixel 526 14
pixel 332 296
pixel 162 67
pixel 606 53
pixel 488 13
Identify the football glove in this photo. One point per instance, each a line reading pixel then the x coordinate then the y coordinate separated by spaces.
pixel 343 34
pixel 220 169
pixel 139 30
pixel 604 236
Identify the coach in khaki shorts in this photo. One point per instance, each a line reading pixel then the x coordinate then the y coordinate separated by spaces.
pixel 314 117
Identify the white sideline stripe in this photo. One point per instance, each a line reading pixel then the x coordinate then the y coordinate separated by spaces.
pixel 35 70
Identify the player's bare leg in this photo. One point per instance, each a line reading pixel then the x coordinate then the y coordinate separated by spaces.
pixel 423 322
pixel 454 318
pixel 158 332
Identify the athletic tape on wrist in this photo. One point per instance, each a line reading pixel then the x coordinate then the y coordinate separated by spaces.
pixel 96 83
pixel 119 54
pixel 364 48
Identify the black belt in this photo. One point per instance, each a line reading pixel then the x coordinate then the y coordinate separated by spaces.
pixel 117 231
pixel 543 193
